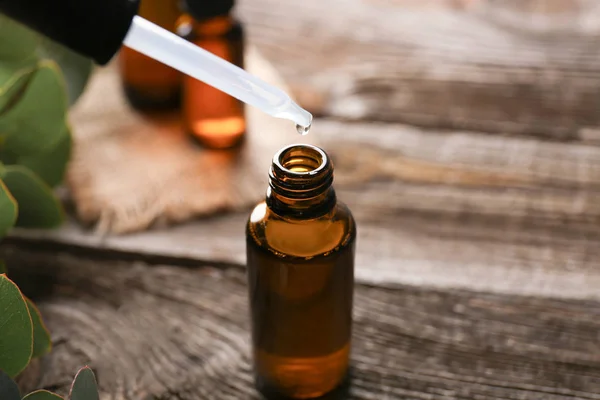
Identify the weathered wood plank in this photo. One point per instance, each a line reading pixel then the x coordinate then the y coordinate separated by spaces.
pixel 524 66
pixel 439 209
pixel 176 333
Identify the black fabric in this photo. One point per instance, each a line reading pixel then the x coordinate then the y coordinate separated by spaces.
pixel 94 28
pixel 203 9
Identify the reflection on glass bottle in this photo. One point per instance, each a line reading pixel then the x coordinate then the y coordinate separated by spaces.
pixel 214 118
pixel 300 255
pixel 149 84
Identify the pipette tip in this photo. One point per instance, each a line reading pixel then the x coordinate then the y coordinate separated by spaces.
pixel 303 130
pixel 297 114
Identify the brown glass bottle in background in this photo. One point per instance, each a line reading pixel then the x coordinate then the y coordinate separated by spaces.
pixel 149 84
pixel 214 118
pixel 300 255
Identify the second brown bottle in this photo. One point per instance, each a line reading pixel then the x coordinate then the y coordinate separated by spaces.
pixel 214 118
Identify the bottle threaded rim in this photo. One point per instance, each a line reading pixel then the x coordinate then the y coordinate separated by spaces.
pixel 301 171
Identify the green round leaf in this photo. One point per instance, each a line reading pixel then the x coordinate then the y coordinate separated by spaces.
pixel 8 208
pixel 42 395
pixel 8 388
pixel 42 344
pixel 16 330
pixel 75 67
pixel 50 165
pixel 84 386
pixel 35 123
pixel 13 78
pixel 38 207
pixel 18 42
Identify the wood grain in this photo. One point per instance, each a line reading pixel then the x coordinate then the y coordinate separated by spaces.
pixel 442 209
pixel 520 67
pixel 168 332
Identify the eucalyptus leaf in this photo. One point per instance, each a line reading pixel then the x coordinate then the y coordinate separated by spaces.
pixel 8 208
pixel 13 78
pixel 18 41
pixel 35 123
pixel 84 386
pixel 50 165
pixel 16 330
pixel 75 67
pixel 8 388
pixel 42 395
pixel 42 344
pixel 38 207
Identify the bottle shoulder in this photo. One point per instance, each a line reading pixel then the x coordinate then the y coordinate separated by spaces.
pixel 292 237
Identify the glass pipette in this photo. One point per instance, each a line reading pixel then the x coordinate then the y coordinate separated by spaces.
pixel 168 48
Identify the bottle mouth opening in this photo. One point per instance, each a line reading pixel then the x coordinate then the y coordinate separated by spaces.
pixel 301 171
pixel 301 160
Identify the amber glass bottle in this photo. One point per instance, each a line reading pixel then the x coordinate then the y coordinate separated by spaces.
pixel 214 118
pixel 300 253
pixel 149 84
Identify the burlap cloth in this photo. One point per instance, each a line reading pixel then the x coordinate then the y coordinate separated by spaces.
pixel 131 171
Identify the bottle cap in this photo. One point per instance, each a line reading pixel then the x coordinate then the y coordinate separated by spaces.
pixel 203 9
pixel 93 28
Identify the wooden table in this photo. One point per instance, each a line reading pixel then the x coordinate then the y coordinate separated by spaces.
pixel 465 142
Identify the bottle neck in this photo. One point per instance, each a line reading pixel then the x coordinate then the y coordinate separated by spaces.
pixel 214 26
pixel 306 208
pixel 212 15
pixel 300 182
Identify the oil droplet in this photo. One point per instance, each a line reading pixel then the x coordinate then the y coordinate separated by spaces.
pixel 303 130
